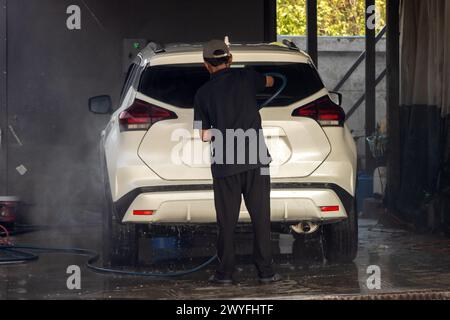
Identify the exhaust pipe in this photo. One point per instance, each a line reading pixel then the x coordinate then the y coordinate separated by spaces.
pixel 305 227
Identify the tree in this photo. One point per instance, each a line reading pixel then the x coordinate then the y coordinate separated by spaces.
pixel 334 17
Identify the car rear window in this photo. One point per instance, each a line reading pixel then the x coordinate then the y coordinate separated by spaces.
pixel 178 84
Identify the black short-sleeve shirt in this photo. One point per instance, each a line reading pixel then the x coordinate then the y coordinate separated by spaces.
pixel 227 105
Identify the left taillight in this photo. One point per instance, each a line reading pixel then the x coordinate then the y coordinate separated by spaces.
pixel 142 115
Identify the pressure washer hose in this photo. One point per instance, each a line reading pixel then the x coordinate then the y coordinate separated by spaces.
pixel 21 256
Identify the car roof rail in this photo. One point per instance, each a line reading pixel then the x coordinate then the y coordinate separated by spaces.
pixel 156 47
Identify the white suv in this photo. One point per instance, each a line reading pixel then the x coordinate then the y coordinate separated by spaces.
pixel 150 150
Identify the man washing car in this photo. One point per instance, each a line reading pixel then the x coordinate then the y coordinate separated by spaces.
pixel 226 113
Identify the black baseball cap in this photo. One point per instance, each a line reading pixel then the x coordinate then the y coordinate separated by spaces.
pixel 215 49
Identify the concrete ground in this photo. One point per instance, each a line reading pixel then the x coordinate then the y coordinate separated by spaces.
pixel 411 265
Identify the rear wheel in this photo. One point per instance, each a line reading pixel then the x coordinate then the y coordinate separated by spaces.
pixel 120 241
pixel 340 240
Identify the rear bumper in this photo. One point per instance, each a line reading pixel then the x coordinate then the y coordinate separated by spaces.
pixel 185 204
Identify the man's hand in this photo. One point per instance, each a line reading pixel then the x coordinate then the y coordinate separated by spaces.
pixel 270 81
pixel 205 135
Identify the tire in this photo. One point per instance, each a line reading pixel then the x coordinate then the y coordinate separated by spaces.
pixel 340 240
pixel 120 241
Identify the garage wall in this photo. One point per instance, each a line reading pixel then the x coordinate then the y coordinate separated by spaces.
pixel 3 96
pixel 52 71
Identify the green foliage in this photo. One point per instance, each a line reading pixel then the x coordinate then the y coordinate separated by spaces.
pixel 334 17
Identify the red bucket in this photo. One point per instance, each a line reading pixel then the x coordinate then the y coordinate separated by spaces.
pixel 9 208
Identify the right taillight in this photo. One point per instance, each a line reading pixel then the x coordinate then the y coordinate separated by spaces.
pixel 323 110
pixel 142 115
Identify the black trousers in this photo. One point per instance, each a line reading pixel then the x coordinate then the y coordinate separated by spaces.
pixel 228 192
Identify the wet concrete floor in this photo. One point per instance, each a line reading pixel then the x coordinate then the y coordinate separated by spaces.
pixel 408 262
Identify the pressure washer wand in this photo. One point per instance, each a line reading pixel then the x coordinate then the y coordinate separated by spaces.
pixel 278 92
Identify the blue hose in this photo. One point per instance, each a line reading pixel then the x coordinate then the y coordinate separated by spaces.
pixel 21 257
pixel 277 93
pixel 18 256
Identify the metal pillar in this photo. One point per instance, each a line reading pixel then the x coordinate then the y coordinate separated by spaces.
pixel 3 99
pixel 370 82
pixel 311 17
pixel 393 100
pixel 270 20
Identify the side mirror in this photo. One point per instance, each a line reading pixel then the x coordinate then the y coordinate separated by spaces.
pixel 100 105
pixel 336 97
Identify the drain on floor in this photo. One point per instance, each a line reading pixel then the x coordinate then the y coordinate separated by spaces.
pixel 413 295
